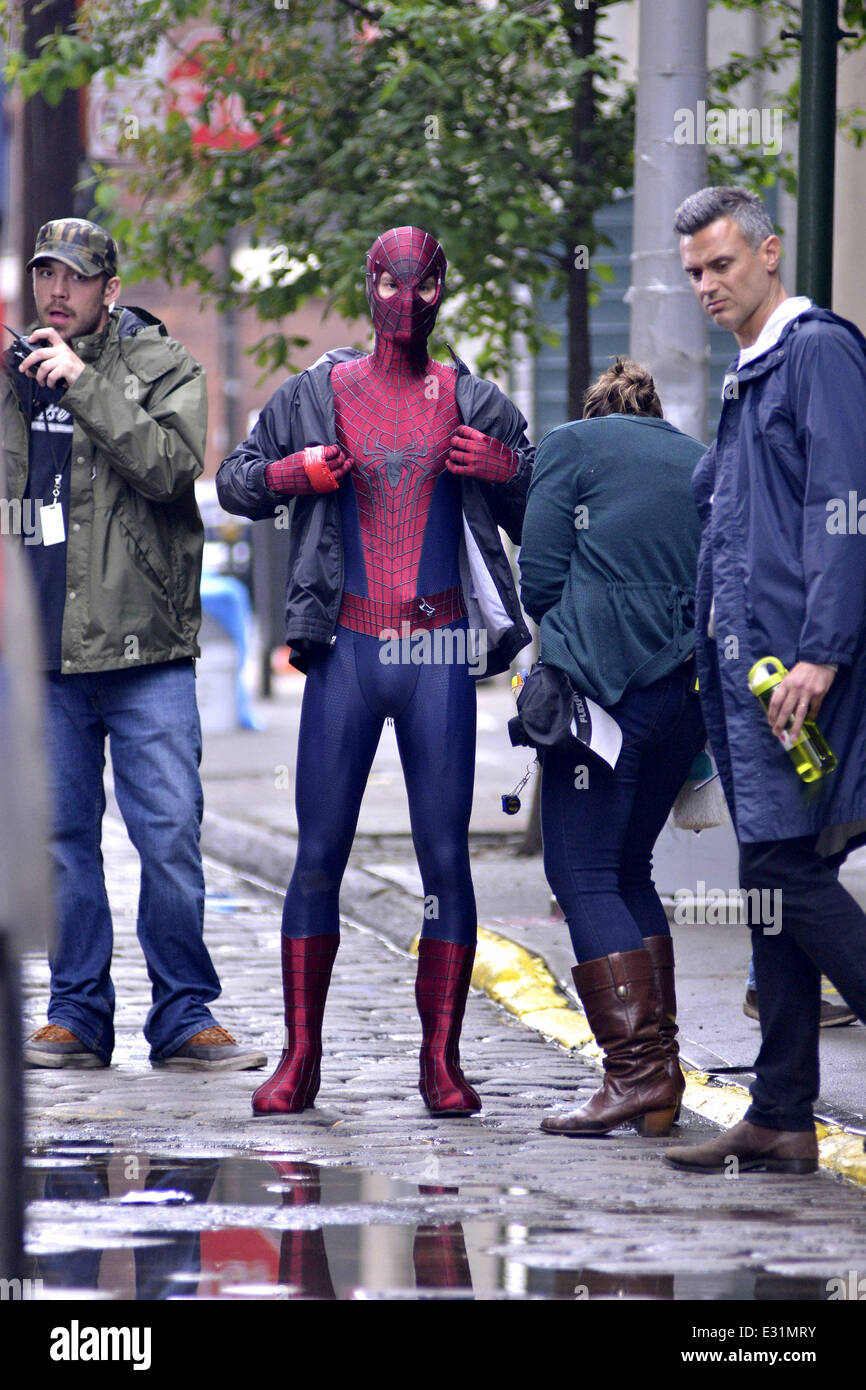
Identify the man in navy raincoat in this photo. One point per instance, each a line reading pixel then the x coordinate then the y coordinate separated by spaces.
pixel 782 572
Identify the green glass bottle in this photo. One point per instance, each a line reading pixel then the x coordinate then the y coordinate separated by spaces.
pixel 811 755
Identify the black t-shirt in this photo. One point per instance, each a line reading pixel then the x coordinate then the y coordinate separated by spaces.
pixel 50 450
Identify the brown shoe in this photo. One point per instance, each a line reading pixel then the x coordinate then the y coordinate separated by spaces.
pixel 53 1046
pixel 835 1015
pixel 618 993
pixel 832 1015
pixel 750 1148
pixel 661 952
pixel 213 1049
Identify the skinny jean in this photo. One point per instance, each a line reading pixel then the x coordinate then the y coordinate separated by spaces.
pixel 599 825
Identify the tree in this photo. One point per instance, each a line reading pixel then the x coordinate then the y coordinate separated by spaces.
pixel 502 127
pixel 750 165
pixel 497 127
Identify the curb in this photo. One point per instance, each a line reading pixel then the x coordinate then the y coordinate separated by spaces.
pixel 522 983
pixel 507 973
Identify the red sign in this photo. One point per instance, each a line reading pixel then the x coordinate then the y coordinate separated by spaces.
pixel 225 125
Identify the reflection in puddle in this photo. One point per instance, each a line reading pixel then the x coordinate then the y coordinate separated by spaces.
pixel 276 1227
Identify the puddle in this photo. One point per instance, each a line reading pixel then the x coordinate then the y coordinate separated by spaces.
pixel 105 1222
pixel 226 902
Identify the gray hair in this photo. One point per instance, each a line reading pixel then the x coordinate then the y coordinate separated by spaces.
pixel 709 204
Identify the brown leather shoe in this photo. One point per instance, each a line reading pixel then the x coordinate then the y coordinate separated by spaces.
pixel 831 1016
pixel 618 993
pixel 750 1148
pixel 212 1049
pixel 661 951
pixel 54 1046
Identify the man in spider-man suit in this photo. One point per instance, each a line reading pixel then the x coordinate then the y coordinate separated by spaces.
pixel 399 471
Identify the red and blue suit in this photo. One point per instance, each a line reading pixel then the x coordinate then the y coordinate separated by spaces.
pixel 400 451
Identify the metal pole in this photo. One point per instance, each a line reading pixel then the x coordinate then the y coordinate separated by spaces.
pixel 817 150
pixel 668 329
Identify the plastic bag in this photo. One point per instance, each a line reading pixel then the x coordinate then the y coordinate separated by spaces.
pixel 701 804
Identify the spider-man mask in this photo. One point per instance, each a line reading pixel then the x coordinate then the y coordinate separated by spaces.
pixel 410 256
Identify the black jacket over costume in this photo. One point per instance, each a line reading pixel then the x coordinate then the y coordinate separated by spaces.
pixel 301 414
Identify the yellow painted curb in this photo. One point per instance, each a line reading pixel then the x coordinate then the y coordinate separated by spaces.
pixel 842 1152
pixel 725 1103
pixel 523 985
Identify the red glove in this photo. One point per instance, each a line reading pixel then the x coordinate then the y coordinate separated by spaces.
pixel 476 455
pixel 316 469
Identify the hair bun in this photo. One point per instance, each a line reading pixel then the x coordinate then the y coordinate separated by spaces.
pixel 625 388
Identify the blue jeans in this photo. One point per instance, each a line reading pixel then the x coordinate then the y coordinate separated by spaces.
pixel 151 719
pixel 600 826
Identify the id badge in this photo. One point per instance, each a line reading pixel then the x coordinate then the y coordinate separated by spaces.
pixel 51 521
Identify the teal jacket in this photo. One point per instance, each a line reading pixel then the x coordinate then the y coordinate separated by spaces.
pixel 609 552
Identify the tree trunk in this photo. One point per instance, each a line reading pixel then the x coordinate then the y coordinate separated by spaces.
pixel 51 139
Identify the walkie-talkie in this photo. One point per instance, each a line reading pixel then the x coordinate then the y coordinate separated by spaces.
pixel 22 348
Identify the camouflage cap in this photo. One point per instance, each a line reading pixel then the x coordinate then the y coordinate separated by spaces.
pixel 82 245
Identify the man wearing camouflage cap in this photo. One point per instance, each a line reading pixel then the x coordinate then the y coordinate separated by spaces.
pixel 104 427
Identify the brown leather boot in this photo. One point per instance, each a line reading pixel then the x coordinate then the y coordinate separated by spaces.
pixel 748 1148
pixel 618 993
pixel 661 950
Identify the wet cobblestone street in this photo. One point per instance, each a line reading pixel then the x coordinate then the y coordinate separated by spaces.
pixel 153 1184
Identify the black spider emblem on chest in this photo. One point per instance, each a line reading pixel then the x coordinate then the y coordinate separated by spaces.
pixel 393 461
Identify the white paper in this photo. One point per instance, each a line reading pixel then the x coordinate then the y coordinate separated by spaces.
pixel 606 736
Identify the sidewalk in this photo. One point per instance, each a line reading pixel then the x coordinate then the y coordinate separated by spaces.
pixel 150 1184
pixel 250 824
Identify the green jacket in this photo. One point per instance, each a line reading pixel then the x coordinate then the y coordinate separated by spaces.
pixel 135 539
pixel 609 551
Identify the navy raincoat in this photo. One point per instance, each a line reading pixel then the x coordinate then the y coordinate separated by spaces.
pixel 782 500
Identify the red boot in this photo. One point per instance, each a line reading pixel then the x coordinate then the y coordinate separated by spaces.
pixel 441 988
pixel 307 964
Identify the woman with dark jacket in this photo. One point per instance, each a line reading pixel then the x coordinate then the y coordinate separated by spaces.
pixel 608 564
